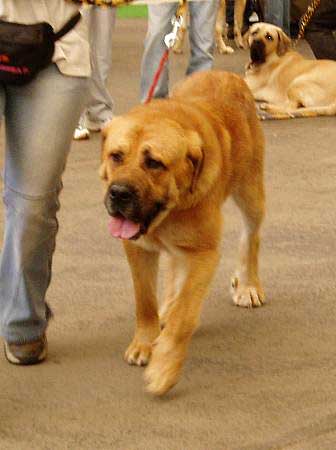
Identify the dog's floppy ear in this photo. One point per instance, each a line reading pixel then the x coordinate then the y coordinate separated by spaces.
pixel 195 157
pixel 284 42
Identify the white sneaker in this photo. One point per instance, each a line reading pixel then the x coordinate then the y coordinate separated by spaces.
pixel 81 133
pixel 96 126
pixel 85 125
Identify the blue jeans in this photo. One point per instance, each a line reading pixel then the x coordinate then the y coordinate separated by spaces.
pixel 201 36
pixel 278 13
pixel 40 119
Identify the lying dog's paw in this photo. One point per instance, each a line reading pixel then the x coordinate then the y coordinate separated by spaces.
pixel 263 106
pixel 246 296
pixel 165 366
pixel 138 353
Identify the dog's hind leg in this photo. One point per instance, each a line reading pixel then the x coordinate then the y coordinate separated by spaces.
pixel 305 99
pixel 239 10
pixel 221 30
pixel 249 197
pixel 144 267
pixel 294 112
pixel 178 46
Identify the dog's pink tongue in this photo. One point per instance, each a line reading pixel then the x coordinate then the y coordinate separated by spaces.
pixel 123 228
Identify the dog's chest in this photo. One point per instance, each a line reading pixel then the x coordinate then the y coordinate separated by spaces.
pixel 152 244
pixel 149 244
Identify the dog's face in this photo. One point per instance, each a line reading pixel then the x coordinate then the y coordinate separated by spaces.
pixel 148 165
pixel 264 40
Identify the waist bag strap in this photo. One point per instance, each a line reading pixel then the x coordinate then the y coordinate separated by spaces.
pixel 67 27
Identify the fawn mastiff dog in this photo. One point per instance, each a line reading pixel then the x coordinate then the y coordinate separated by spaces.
pixel 168 167
pixel 291 85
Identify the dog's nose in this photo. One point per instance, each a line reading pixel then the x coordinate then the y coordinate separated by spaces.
pixel 121 193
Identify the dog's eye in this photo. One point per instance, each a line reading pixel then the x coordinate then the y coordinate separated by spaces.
pixel 116 157
pixel 154 164
pixel 269 37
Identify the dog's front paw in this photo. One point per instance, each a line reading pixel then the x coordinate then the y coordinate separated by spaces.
pixel 239 41
pixel 138 352
pixel 165 367
pixel 224 49
pixel 245 295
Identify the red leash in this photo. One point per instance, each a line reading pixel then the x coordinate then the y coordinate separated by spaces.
pixel 157 75
pixel 169 40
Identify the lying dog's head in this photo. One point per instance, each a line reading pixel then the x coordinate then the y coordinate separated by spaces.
pixel 148 165
pixel 264 40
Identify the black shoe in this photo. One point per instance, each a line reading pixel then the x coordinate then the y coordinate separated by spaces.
pixel 27 354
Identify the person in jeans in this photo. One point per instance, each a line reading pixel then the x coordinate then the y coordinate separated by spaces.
pixel 201 36
pixel 278 13
pixel 99 108
pixel 40 118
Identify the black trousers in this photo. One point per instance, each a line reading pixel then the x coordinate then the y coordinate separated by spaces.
pixel 320 33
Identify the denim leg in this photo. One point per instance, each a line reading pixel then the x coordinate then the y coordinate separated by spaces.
pixel 101 23
pixel 202 34
pixel 159 24
pixel 40 119
pixel 278 13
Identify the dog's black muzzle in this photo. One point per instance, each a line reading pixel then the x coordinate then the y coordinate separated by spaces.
pixel 123 199
pixel 257 52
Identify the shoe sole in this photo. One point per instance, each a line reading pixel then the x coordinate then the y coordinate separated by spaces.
pixel 25 361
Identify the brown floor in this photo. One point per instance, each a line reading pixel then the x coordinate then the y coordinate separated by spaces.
pixel 254 380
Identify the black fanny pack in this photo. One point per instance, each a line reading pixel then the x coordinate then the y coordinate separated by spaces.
pixel 26 49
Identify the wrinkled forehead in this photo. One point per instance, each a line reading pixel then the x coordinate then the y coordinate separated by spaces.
pixel 164 138
pixel 119 133
pixel 262 28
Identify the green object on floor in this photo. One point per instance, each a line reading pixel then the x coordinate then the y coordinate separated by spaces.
pixel 131 11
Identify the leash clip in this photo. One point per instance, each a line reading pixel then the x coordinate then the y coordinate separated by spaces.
pixel 171 38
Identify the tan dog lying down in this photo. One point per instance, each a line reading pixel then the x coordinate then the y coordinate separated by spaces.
pixel 291 85
pixel 168 167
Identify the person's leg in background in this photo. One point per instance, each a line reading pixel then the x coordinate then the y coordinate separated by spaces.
pixel 40 119
pixel 320 33
pixel 99 109
pixel 159 24
pixel 202 34
pixel 278 13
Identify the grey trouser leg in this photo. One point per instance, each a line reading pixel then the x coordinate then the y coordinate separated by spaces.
pixel 159 24
pixel 101 23
pixel 201 35
pixel 202 25
pixel 40 119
